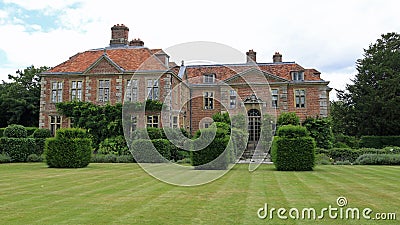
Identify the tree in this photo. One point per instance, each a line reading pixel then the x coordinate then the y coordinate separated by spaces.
pixel 374 96
pixel 20 98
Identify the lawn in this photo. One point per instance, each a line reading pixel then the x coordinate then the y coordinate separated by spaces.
pixel 31 193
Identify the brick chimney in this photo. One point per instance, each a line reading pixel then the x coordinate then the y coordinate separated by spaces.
pixel 251 56
pixel 277 57
pixel 119 35
pixel 136 42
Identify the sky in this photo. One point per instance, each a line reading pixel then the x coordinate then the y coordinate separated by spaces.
pixel 326 35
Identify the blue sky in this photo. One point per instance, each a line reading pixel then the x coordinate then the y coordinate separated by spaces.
pixel 327 35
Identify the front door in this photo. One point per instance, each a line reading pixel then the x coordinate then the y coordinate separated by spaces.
pixel 254 128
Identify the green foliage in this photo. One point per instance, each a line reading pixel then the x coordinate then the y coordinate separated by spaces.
pixel 345 141
pixel 34 158
pixel 224 118
pixel 155 133
pixel 323 159
pixel 267 131
pixel 346 162
pixel 30 131
pixel 343 116
pixel 239 122
pixel 291 131
pixel 320 130
pixel 70 148
pixel 18 148
pixel 100 121
pixel 214 155
pixel 2 131
pixel 15 131
pixel 379 141
pixel 239 138
pixel 294 154
pixel 115 145
pixel 144 151
pixel 293 149
pixel 378 159
pixel 20 98
pixel 42 133
pixel 348 154
pixel 288 118
pixel 373 98
pixel 71 133
pixel 4 158
pixel 163 146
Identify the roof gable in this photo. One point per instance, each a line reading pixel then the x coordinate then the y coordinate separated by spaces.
pixel 103 65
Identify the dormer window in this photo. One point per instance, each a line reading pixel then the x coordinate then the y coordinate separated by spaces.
pixel 209 78
pixel 297 75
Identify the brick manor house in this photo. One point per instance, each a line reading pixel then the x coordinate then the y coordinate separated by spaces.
pixel 192 93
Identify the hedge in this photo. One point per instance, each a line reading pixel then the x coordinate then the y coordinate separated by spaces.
pixel 18 149
pixel 67 152
pixel 30 131
pixel 41 133
pixel 343 154
pixel 111 158
pixel 2 131
pixel 144 151
pixel 379 141
pixel 115 145
pixel 378 159
pixel 293 150
pixel 214 156
pixel 71 133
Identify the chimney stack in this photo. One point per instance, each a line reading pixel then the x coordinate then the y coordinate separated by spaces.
pixel 119 35
pixel 277 57
pixel 136 42
pixel 251 56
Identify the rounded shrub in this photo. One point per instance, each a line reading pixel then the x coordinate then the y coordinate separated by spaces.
pixel 4 158
pixel 293 150
pixel 71 133
pixel 34 158
pixel 18 149
pixel 115 145
pixel 288 118
pixel 144 151
pixel 15 131
pixel 42 133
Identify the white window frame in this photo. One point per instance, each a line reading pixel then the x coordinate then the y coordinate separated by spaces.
pixel 131 90
pixel 232 99
pixel 55 122
pixel 300 98
pixel 208 78
pixel 153 89
pixel 56 91
pixel 208 100
pixel 76 90
pixel 175 123
pixel 150 122
pixel 275 98
pixel 103 90
pixel 297 75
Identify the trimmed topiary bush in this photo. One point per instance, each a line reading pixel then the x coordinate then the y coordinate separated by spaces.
pixel 30 131
pixel 15 131
pixel 18 149
pixel 163 146
pixel 288 118
pixel 115 145
pixel 292 150
pixel 2 131
pixel 40 136
pixel 71 133
pixel 69 149
pixel 144 151
pixel 214 156
pixel 34 158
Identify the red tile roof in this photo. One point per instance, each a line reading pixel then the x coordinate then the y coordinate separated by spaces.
pixel 129 59
pixel 223 72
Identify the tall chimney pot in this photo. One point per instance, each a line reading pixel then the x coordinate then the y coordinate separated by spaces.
pixel 251 56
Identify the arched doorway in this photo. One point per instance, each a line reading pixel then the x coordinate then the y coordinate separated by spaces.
pixel 254 128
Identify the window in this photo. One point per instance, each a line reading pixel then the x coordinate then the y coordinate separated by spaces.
pixel 175 122
pixel 209 78
pixel 56 91
pixel 131 90
pixel 152 89
pixel 55 123
pixel 297 75
pixel 208 100
pixel 300 98
pixel 275 96
pixel 207 125
pixel 152 121
pixel 76 90
pixel 104 90
pixel 232 99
